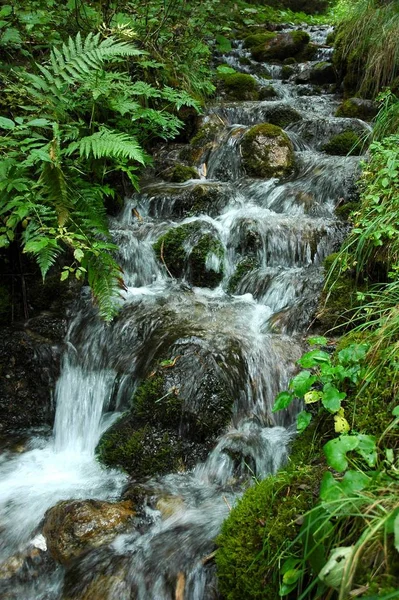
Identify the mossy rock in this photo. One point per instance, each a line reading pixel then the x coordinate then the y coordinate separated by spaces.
pixel 203 142
pixel 343 211
pixel 239 86
pixel 282 46
pixel 286 72
pixel 246 265
pixel 267 92
pixel 196 264
pixel 347 142
pixel 282 115
pixel 357 108
pixel 256 39
pixel 176 414
pixel 267 151
pixel 322 73
pixel 262 525
pixel 290 61
pixel 182 173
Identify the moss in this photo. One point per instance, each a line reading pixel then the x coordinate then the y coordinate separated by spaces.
pixel 290 61
pixel 170 248
pixel 267 92
pixel 182 173
pixel 282 46
pixel 239 86
pixel 258 148
pixel 283 115
pixel 259 528
pixel 344 210
pixel 300 37
pixel 256 39
pixel 150 405
pixel 244 266
pixel 344 143
pixel 357 108
pixel 330 39
pixel 286 72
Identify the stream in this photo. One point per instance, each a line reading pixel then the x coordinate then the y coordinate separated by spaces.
pixel 251 336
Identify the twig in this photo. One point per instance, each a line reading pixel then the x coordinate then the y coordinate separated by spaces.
pixel 164 263
pixel 228 505
pixel 209 557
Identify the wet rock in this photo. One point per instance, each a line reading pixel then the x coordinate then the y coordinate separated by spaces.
pixel 287 71
pixel 267 92
pixel 205 139
pixel 238 86
pixel 189 251
pixel 348 142
pixel 177 412
pixel 71 528
pixel 281 46
pixel 321 73
pixel 29 366
pixel 182 173
pixel 267 151
pixel 169 505
pixel 358 108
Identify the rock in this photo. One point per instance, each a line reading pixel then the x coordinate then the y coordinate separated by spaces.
pixel 257 39
pixel 169 505
pixel 238 86
pixel 19 571
pixel 267 92
pixel 182 173
pixel 322 73
pixel 204 140
pixel 358 108
pixel 348 142
pixel 71 528
pixel 177 412
pixel 267 151
pixel 281 46
pixel 189 251
pixel 287 71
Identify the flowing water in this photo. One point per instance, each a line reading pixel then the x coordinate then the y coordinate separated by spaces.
pixel 286 228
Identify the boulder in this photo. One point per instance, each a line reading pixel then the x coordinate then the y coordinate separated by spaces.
pixel 358 108
pixel 71 528
pixel 348 142
pixel 194 253
pixel 238 86
pixel 322 73
pixel 267 151
pixel 281 46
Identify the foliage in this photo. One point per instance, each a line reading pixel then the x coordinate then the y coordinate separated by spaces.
pixel 368 60
pixel 58 160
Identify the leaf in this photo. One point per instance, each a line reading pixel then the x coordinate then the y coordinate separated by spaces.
pixel 292 576
pixel 302 421
pixel 302 383
pixel 341 425
pixel 354 481
pixel 317 341
pixel 224 44
pixel 79 254
pixel 395 411
pixel 39 123
pixel 354 353
pixel 64 275
pixel 282 401
pixel 314 358
pixel 312 396
pixel 6 123
pixel 332 397
pixel 335 451
pixel 333 572
pixel 224 69
pixel 367 448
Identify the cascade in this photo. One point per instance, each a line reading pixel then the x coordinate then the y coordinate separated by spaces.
pixel 250 334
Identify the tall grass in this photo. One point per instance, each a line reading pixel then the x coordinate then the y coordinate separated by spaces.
pixel 368 44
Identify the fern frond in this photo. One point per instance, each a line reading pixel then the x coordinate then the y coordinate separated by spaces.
pixel 109 144
pixel 106 282
pixel 45 250
pixel 55 189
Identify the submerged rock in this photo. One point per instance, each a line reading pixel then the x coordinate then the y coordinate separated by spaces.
pixel 71 528
pixel 267 151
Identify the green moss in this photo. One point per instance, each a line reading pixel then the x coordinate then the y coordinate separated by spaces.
pixel 152 406
pixel 344 210
pixel 256 147
pixel 259 528
pixel 286 72
pixel 267 92
pixel 244 266
pixel 330 39
pixel 256 39
pixel 344 143
pixel 356 108
pixel 182 173
pixel 290 61
pixel 170 248
pixel 239 86
pixel 282 46
pixel 300 37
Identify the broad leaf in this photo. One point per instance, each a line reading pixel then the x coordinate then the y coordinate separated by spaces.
pixel 367 448
pixel 302 383
pixel 282 401
pixel 332 398
pixel 336 450
pixel 314 358
pixel 303 420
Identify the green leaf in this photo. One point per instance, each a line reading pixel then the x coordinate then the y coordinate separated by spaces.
pixel 302 383
pixel 6 10
pixel 64 275
pixel 395 411
pixel 336 450
pixel 317 341
pixel 6 123
pixel 282 401
pixel 367 448
pixel 292 576
pixel 303 420
pixel 353 354
pixel 79 254
pixel 224 69
pixel 314 358
pixel 224 44
pixel 354 481
pixel 332 397
pixel 39 123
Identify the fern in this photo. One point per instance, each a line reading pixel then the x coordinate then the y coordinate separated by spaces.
pixel 106 144
pixel 106 282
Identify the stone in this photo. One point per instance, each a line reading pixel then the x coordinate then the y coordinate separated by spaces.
pixel 71 528
pixel 281 46
pixel 267 151
pixel 358 108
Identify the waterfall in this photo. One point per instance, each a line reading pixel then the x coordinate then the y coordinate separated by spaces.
pixel 250 333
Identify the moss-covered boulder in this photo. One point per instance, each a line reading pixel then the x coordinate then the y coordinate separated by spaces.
pixel 322 73
pixel 182 173
pixel 257 39
pixel 358 108
pixel 287 71
pixel 189 251
pixel 203 142
pixel 73 527
pixel 347 142
pixel 245 266
pixel 267 92
pixel 267 151
pixel 282 115
pixel 263 523
pixel 238 86
pixel 177 413
pixel 281 46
